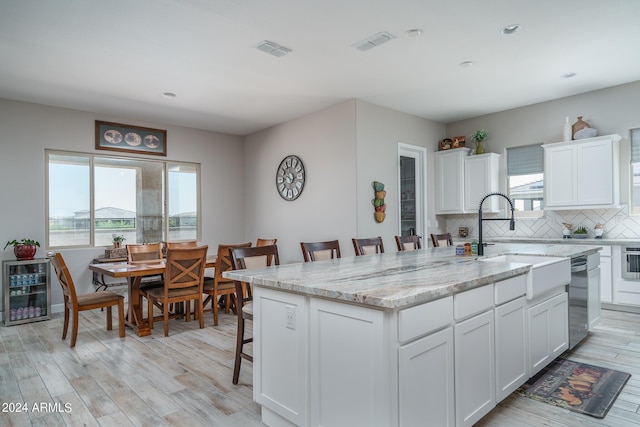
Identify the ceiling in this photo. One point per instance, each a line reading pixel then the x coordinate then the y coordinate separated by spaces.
pixel 117 57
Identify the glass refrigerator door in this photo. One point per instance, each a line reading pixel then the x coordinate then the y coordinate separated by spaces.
pixel 27 296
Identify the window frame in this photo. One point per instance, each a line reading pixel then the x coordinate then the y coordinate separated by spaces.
pixel 167 165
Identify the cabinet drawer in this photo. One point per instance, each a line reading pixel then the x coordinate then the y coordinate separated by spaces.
pixel 476 300
pixel 422 319
pixel 510 289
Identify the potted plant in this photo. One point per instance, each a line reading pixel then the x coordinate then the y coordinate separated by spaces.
pixel 24 249
pixel 117 240
pixel 479 136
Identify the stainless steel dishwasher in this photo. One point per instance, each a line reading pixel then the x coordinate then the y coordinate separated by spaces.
pixel 578 291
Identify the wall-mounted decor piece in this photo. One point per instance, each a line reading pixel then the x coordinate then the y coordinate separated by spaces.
pixel 290 178
pixel 130 139
pixel 378 201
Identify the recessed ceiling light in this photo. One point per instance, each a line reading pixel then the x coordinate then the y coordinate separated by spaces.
pixel 510 29
pixel 415 32
pixel 466 64
pixel 568 75
pixel 168 95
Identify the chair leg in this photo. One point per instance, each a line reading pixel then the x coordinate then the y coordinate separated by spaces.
pixel 109 319
pixel 214 304
pixel 166 319
pixel 187 311
pixel 74 329
pixel 121 317
pixel 66 321
pixel 239 345
pixel 200 311
pixel 150 312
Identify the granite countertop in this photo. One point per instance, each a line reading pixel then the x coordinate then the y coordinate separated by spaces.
pixel 399 279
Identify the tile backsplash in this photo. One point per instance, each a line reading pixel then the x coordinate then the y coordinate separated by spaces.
pixel 617 224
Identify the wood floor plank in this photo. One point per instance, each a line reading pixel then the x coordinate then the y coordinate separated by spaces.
pixel 185 379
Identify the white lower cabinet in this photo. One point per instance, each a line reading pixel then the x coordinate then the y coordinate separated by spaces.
pixel 511 345
pixel 426 387
pixel 548 331
pixel 474 368
pixel 347 358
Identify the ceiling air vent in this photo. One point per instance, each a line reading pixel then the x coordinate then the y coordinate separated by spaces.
pixel 373 41
pixel 273 48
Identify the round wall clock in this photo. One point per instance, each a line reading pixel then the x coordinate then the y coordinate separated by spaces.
pixel 290 178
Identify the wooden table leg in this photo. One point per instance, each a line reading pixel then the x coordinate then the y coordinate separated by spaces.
pixel 134 314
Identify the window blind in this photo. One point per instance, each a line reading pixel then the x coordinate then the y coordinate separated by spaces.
pixel 635 145
pixel 526 160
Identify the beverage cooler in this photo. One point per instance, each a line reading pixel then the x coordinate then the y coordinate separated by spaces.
pixel 27 291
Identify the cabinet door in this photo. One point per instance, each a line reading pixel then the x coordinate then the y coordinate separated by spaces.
pixel 480 179
pixel 27 291
pixel 606 288
pixel 450 181
pixel 426 381
pixel 548 331
pixel 593 301
pixel 511 356
pixel 561 181
pixel 474 368
pixel 595 173
pixel 347 371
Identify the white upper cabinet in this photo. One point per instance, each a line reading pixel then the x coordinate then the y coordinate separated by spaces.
pixel 462 181
pixel 582 174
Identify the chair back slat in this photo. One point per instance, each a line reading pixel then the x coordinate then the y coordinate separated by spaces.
pixel 143 253
pixel 185 267
pixel 408 243
pixel 368 246
pixel 64 278
pixel 320 251
pixel 266 242
pixel 443 239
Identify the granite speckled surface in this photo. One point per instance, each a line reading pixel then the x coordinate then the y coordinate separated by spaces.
pixel 398 279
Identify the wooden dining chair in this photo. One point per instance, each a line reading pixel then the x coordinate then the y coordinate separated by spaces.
pixel 441 240
pixel 146 253
pixel 219 285
pixel 266 242
pixel 320 251
pixel 248 258
pixel 74 303
pixel 183 278
pixel 180 245
pixel 368 246
pixel 408 243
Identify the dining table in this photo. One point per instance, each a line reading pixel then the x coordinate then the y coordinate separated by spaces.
pixel 134 273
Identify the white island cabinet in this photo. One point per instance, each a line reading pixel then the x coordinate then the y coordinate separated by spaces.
pixel 400 338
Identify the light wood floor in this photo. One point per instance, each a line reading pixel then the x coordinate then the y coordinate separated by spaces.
pixel 185 379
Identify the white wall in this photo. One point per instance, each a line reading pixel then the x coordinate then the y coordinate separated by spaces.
pixel 613 110
pixel 325 141
pixel 28 129
pixel 379 130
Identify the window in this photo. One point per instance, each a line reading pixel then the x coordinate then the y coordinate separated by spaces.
pixel 525 179
pixel 91 198
pixel 635 171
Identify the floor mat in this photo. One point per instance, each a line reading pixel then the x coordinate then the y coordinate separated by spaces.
pixel 576 386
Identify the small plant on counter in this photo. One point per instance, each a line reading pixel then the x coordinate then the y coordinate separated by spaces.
pixel 117 240
pixel 580 230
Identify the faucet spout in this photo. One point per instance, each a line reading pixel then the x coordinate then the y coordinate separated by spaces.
pixel 512 222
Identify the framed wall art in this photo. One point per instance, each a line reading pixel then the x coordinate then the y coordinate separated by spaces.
pixel 130 139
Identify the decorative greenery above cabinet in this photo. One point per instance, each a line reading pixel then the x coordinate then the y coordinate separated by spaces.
pixel 582 174
pixel 462 180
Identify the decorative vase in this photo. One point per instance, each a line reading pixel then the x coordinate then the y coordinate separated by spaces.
pixel 579 125
pixel 479 147
pixel 567 132
pixel 116 245
pixel 25 252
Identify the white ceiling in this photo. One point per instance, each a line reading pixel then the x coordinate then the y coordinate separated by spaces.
pixel 116 57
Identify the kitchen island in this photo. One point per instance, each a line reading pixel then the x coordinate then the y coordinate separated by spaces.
pixel 370 340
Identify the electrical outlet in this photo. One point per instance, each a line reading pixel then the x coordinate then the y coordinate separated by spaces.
pixel 291 317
